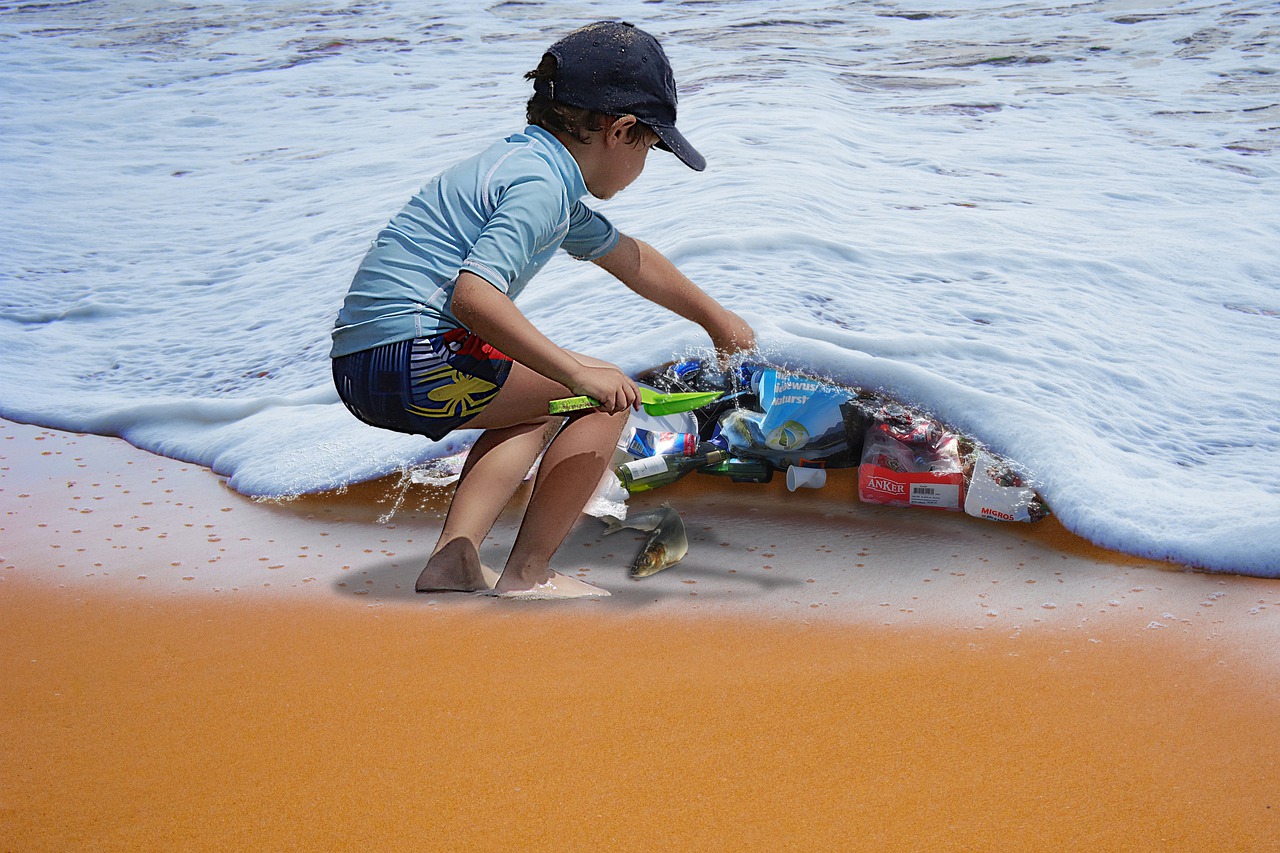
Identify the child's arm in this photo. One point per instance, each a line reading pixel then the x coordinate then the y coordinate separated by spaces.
pixel 647 272
pixel 488 312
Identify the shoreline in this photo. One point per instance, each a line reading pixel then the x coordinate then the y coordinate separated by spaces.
pixel 94 513
pixel 181 663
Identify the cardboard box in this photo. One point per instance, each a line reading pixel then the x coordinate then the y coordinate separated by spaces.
pixel 897 473
pixel 938 490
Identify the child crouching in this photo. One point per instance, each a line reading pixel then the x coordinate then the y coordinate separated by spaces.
pixel 430 339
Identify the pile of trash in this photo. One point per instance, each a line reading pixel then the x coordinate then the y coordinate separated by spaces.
pixel 769 420
pixel 763 420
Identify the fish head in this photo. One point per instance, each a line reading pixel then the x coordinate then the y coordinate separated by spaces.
pixel 650 561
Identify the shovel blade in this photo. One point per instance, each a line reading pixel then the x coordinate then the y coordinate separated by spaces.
pixel 673 404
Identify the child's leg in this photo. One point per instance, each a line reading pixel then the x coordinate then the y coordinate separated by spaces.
pixel 570 471
pixel 495 467
pixel 517 426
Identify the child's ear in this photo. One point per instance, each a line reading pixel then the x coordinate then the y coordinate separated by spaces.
pixel 620 130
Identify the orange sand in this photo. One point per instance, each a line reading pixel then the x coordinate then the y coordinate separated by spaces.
pixel 210 725
pixel 308 718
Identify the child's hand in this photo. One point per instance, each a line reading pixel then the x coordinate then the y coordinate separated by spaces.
pixel 731 335
pixel 614 389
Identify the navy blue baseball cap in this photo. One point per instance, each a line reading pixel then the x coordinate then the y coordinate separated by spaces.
pixel 616 68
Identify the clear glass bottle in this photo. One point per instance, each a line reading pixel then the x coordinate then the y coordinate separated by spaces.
pixel 640 475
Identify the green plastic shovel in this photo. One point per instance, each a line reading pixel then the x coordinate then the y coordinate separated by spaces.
pixel 654 402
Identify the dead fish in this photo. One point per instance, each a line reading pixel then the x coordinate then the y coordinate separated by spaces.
pixel 646 521
pixel 665 545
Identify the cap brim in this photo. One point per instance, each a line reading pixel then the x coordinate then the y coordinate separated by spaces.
pixel 673 140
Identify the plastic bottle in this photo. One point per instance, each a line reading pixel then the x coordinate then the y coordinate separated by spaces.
pixel 649 443
pixel 641 475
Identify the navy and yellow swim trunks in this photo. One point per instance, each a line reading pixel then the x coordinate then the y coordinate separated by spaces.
pixel 426 386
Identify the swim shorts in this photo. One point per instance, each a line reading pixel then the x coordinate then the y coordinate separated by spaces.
pixel 425 386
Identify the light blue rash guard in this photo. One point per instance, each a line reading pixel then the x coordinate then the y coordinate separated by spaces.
pixel 500 214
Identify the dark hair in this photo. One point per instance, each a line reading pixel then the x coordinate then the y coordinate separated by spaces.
pixel 579 122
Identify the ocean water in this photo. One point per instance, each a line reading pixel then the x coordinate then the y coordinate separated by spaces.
pixel 1052 224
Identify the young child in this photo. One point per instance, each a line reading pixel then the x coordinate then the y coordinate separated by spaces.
pixel 429 339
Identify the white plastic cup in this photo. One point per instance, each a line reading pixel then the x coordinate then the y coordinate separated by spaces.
pixel 808 478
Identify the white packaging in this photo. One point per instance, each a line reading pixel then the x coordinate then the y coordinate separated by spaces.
pixel 682 422
pixel 987 498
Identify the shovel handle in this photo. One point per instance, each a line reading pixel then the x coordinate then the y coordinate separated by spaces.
pixel 653 402
pixel 572 404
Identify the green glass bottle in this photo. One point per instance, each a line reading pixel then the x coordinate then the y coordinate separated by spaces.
pixel 641 475
pixel 741 470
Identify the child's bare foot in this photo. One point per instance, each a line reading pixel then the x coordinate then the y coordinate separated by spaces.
pixel 456 568
pixel 557 586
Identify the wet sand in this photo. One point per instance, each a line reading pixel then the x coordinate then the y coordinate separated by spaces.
pixel 184 667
